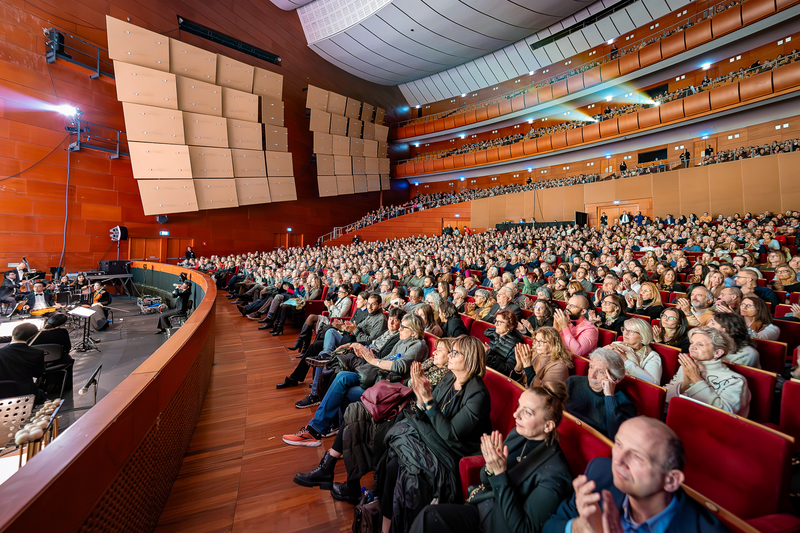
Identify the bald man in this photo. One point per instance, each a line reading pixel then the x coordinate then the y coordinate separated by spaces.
pixel 578 334
pixel 638 489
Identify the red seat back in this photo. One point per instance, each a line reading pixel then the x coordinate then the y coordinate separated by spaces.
pixel 477 329
pixel 782 310
pixel 649 399
pixel 526 313
pixel 505 394
pixel 742 466
pixel 580 366
pixel 771 355
pixel 467 320
pixel 605 337
pixel 790 414
pixel 562 305
pixel 324 292
pixel 790 333
pixel 643 317
pixel 762 389
pixel 669 360
pixel 431 340
pixel 581 443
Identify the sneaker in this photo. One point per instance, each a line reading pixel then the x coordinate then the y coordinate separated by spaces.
pixel 321 360
pixel 309 401
pixel 332 432
pixel 302 438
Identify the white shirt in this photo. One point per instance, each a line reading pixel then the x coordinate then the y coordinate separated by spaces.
pixel 41 302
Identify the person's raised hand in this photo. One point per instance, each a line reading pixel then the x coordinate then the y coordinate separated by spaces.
pixel 608 387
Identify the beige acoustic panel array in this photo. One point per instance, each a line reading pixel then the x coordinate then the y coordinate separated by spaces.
pixel 248 163
pixel 198 96
pixel 277 138
pixel 163 197
pixel 147 86
pixel 381 133
pixel 234 74
pixel 369 131
pixel 341 145
pixel 279 164
pixel 370 148
pixel 192 62
pixel 216 193
pixel 360 183
pixel 320 121
pixel 359 165
pixel 136 45
pixel 383 149
pixel 211 162
pixel 373 182
pixel 338 125
pixel 344 184
pixel 316 98
pixel 380 113
pixel 239 105
pixel 386 183
pixel 325 165
pixel 336 103
pixel 357 147
pixel 327 186
pixel 372 165
pixel 384 165
pixel 353 110
pixel 205 130
pixel 323 143
pixel 153 124
pixel 151 160
pixel 250 191
pixel 245 135
pixel 282 189
pixel 354 129
pixel 268 84
pixel 272 111
pixel 342 165
pixel 367 112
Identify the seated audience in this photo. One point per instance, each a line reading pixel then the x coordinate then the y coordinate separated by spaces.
pixel 744 350
pixel 648 301
pixel 546 361
pixel 503 338
pixel 755 312
pixel 579 335
pixel 425 314
pixel 453 326
pixel 634 349
pixel 21 363
pixel 673 329
pixel 612 314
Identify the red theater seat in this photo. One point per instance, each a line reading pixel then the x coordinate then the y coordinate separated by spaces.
pixel 477 329
pixel 505 394
pixel 581 443
pixel 605 337
pixel 467 320
pixel 790 334
pixel 762 389
pixel 790 414
pixel 430 340
pixel 580 365
pixel 669 360
pixel 771 355
pixel 648 399
pixel 743 466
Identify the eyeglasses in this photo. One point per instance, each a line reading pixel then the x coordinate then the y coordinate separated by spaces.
pixel 540 342
pixel 668 317
pixel 403 326
pixel 747 306
pixel 498 321
pixel 454 353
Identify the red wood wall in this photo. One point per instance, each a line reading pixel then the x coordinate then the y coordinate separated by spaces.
pixel 102 193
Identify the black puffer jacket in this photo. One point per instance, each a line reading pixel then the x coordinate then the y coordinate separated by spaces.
pixel 500 355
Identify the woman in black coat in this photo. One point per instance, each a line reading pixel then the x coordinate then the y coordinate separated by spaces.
pixel 503 339
pixel 523 480
pixel 612 315
pixel 424 448
pixel 452 325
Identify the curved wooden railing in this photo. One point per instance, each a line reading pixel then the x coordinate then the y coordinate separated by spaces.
pixel 113 469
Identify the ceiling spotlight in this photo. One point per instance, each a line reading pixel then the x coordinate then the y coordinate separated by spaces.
pixel 706 66
pixel 531 73
pixel 462 178
pixel 416 106
pixel 610 41
pixel 463 95
pixel 68 110
pixel 608 98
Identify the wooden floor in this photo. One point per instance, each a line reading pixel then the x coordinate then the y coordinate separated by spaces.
pixel 237 473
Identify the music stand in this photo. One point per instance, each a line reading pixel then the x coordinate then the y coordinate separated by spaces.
pixel 7 328
pixel 85 313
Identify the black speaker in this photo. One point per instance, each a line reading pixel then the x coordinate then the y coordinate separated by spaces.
pixel 581 219
pixel 114 267
pixel 162 219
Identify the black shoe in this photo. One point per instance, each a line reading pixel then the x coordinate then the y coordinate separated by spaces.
pixel 321 360
pixel 321 476
pixel 305 334
pixel 309 401
pixel 230 296
pixel 287 382
pixel 242 309
pixel 342 492
pixel 332 432
pixel 266 325
pixel 277 331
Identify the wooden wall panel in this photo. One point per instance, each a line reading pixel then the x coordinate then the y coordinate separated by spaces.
pixel 694 191
pixel 727 193
pixel 760 183
pixel 666 195
pixel 515 207
pixel 36 200
pixel 479 213
pixel 553 204
pixel 497 208
pixel 604 191
pixel 634 188
pixel 573 200
pixel 789 175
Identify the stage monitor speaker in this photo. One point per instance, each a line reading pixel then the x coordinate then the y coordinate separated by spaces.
pixel 581 219
pixel 114 267
pixel 119 233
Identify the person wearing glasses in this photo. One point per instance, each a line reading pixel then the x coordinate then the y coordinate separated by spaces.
pixel 673 329
pixel 743 351
pixel 594 398
pixel 346 386
pixel 747 280
pixel 578 334
pixel 634 349
pixel 542 316
pixel 785 280
pixel 611 315
pixel 547 361
pixel 755 312
pixel 503 338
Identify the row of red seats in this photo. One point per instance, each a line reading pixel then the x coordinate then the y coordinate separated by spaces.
pixel 720 24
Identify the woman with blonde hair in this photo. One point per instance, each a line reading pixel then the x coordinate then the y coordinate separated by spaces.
pixel 634 349
pixel 715 282
pixel 548 360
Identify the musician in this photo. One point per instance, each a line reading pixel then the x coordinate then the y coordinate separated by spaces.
pixel 80 282
pixel 38 299
pixel 21 270
pixel 86 296
pixel 63 285
pixel 54 332
pixel 21 363
pixel 100 296
pixel 181 295
pixel 8 289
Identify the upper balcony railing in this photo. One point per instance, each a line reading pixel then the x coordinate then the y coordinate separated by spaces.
pixel 691 20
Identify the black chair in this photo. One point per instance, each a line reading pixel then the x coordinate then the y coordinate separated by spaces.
pixel 177 321
pixel 52 353
pixel 9 389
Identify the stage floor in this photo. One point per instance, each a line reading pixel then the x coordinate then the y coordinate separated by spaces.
pixel 123 346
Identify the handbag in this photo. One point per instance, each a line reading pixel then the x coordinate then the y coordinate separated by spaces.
pixel 385 399
pixel 367 516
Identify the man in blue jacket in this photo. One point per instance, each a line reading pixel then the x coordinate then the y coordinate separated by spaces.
pixel 637 490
